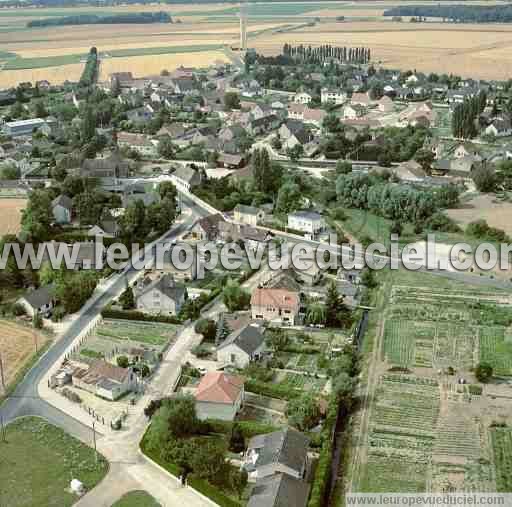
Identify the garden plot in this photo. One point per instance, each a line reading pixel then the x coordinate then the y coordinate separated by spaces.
pixel 496 348
pixel 502 449
pixel 298 381
pixel 299 362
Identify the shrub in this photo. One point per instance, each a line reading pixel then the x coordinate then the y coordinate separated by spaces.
pixel 37 321
pixel 71 396
pixel 200 352
pixel 18 309
pixel 475 389
pixel 109 313
pixel 123 362
pixel 484 372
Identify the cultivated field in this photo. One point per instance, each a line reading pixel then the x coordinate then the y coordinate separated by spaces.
pixel 17 345
pixel 426 430
pixel 10 210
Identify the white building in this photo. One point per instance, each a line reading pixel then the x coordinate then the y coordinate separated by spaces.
pixel 329 96
pixel 306 221
pixel 302 98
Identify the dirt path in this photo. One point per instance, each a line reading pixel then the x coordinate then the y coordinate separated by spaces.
pixel 360 445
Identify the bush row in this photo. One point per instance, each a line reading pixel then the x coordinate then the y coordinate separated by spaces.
pixel 110 313
pixel 270 390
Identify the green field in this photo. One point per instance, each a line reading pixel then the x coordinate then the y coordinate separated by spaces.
pixel 502 449
pixel 39 460
pixel 151 333
pixel 273 9
pixel 136 499
pixel 496 350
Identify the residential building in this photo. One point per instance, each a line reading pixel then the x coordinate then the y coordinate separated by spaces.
pixel 23 127
pixel 353 111
pixel 219 396
pixel 242 347
pixel 333 96
pixel 248 214
pixel 296 111
pixel 314 116
pixel 306 221
pixel 113 166
pixel 279 490
pixel 62 207
pixel 39 301
pixel 275 305
pixel 207 228
pixel 160 296
pixel 179 265
pixel 499 127
pixel 186 178
pixel 103 379
pixel 385 104
pixel 231 161
pixel 140 143
pixel 284 451
pixel 302 98
pixel 362 99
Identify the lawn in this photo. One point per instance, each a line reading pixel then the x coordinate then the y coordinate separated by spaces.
pixel 136 499
pixel 150 333
pixel 38 462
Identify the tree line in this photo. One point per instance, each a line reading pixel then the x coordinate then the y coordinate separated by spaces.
pixel 326 52
pixel 94 19
pixel 457 13
pixel 90 72
pixel 465 116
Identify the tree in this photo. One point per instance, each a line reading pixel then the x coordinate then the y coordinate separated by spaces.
pixel 331 123
pixel 425 158
pixel 316 313
pixel 295 153
pixel 231 101
pixel 234 297
pixel 88 125
pixel 37 321
pixel 181 416
pixel 336 311
pixel 122 362
pixel 484 372
pixel 289 198
pixel 278 339
pixel 207 328
pixel 127 299
pixel 46 273
pixel 236 441
pixel 343 389
pixel 166 148
pixel 208 461
pixel 343 167
pixel 37 217
pixel 485 178
pixel 303 412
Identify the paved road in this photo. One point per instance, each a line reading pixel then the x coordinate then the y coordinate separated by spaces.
pixel 25 399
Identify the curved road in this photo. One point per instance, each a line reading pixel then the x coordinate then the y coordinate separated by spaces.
pixel 25 399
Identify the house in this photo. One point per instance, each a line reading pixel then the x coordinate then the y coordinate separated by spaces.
pixel 62 207
pixel 161 296
pixel 186 178
pixel 467 149
pixel 333 96
pixel 207 228
pixel 284 451
pixel 219 396
pixel 309 276
pixel 185 86
pixel 248 214
pixel 385 105
pixel 362 99
pixel 242 346
pixel 254 237
pixel 279 490
pixel 261 110
pixel 38 301
pixel 174 130
pixel 140 115
pixel 178 264
pixel 314 116
pixel 296 111
pixel 108 228
pixel 354 111
pixel 43 84
pixel 460 95
pixel 104 379
pixel 294 132
pixel 499 127
pixel 306 221
pixel 113 166
pixel 302 98
pixel 231 161
pixel 275 305
pixel 140 143
pixel 263 125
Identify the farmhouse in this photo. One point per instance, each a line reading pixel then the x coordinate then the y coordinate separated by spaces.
pixel 242 347
pixel 39 301
pixel 103 379
pixel 275 305
pixel 161 296
pixel 219 396
pixel 284 451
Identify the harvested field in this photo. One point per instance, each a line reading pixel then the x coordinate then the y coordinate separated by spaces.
pixel 11 215
pixel 486 207
pixel 17 345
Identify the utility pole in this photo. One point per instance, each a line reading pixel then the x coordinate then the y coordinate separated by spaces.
pixel 94 440
pixel 2 378
pixel 2 428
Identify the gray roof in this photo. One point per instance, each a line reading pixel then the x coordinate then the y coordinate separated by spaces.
pixel 40 297
pixel 165 284
pixel 288 447
pixel 187 174
pixel 248 338
pixel 311 215
pixel 64 201
pixel 279 490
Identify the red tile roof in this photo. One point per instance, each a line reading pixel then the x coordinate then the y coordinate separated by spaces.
pixel 217 387
pixel 279 298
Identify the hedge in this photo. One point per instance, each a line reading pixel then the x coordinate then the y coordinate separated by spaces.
pixel 248 428
pixel 270 390
pixel 212 492
pixel 322 476
pixel 172 468
pixel 110 313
